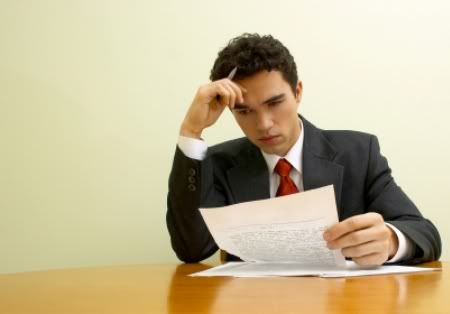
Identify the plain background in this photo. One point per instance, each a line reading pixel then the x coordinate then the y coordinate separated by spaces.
pixel 92 94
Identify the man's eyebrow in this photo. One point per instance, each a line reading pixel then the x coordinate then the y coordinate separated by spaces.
pixel 243 106
pixel 274 98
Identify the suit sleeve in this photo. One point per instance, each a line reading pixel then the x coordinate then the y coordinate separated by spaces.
pixel 191 185
pixel 387 198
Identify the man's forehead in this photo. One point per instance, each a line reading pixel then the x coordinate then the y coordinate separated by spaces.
pixel 263 85
pixel 264 81
pixel 262 95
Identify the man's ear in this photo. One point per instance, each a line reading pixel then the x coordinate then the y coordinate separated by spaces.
pixel 298 91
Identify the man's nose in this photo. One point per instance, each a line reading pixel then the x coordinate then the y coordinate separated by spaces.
pixel 264 122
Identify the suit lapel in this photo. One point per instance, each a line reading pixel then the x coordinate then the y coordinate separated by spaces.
pixel 319 169
pixel 249 179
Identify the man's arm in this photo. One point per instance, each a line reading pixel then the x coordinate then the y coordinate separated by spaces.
pixel 189 235
pixel 367 239
pixel 191 181
pixel 208 104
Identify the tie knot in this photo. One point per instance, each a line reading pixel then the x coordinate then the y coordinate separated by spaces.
pixel 283 167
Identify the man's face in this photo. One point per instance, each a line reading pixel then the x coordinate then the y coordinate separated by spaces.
pixel 268 116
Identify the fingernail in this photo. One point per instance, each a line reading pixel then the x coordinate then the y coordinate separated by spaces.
pixel 326 236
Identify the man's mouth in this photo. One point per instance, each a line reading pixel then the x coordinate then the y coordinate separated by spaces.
pixel 268 139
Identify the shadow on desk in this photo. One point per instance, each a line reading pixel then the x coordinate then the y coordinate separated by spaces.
pixel 408 293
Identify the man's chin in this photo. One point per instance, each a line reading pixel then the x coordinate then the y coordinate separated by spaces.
pixel 271 149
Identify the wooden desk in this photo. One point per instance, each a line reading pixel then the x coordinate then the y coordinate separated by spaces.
pixel 167 289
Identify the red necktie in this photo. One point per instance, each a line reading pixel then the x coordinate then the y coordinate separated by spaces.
pixel 287 186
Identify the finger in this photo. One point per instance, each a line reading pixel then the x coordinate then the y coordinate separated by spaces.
pixel 375 259
pixel 232 95
pixel 372 233
pixel 206 93
pixel 365 249
pixel 238 91
pixel 238 88
pixel 352 224
pixel 223 93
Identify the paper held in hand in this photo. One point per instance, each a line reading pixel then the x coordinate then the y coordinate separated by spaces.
pixel 282 236
pixel 282 229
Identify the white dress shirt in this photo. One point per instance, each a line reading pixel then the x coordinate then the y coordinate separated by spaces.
pixel 294 156
pixel 196 149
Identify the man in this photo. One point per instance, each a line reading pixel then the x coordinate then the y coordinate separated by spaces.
pixel 378 222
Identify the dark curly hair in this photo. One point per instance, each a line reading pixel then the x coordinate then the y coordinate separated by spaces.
pixel 253 53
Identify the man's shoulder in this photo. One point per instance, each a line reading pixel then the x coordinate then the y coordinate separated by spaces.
pixel 347 135
pixel 337 138
pixel 350 143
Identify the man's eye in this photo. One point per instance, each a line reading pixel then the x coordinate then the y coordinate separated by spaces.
pixel 274 103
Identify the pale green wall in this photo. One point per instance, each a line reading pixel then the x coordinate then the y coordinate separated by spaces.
pixel 92 94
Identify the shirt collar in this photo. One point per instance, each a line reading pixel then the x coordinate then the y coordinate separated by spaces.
pixel 294 155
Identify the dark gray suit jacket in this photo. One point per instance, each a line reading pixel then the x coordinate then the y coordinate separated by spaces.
pixel 235 172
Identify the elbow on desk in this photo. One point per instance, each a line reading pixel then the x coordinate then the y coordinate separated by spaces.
pixel 190 256
pixel 190 253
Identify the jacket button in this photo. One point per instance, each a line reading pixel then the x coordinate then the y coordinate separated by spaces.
pixel 191 179
pixel 191 187
pixel 192 172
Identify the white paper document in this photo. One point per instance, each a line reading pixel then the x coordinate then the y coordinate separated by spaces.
pixel 282 229
pixel 283 236
pixel 267 269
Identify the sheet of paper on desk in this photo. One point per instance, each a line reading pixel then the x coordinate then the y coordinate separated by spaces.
pixel 265 269
pixel 281 229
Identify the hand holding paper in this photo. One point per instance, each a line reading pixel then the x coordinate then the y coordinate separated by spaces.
pixel 364 238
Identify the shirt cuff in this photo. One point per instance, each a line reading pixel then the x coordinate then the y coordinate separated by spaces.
pixel 405 247
pixel 192 147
